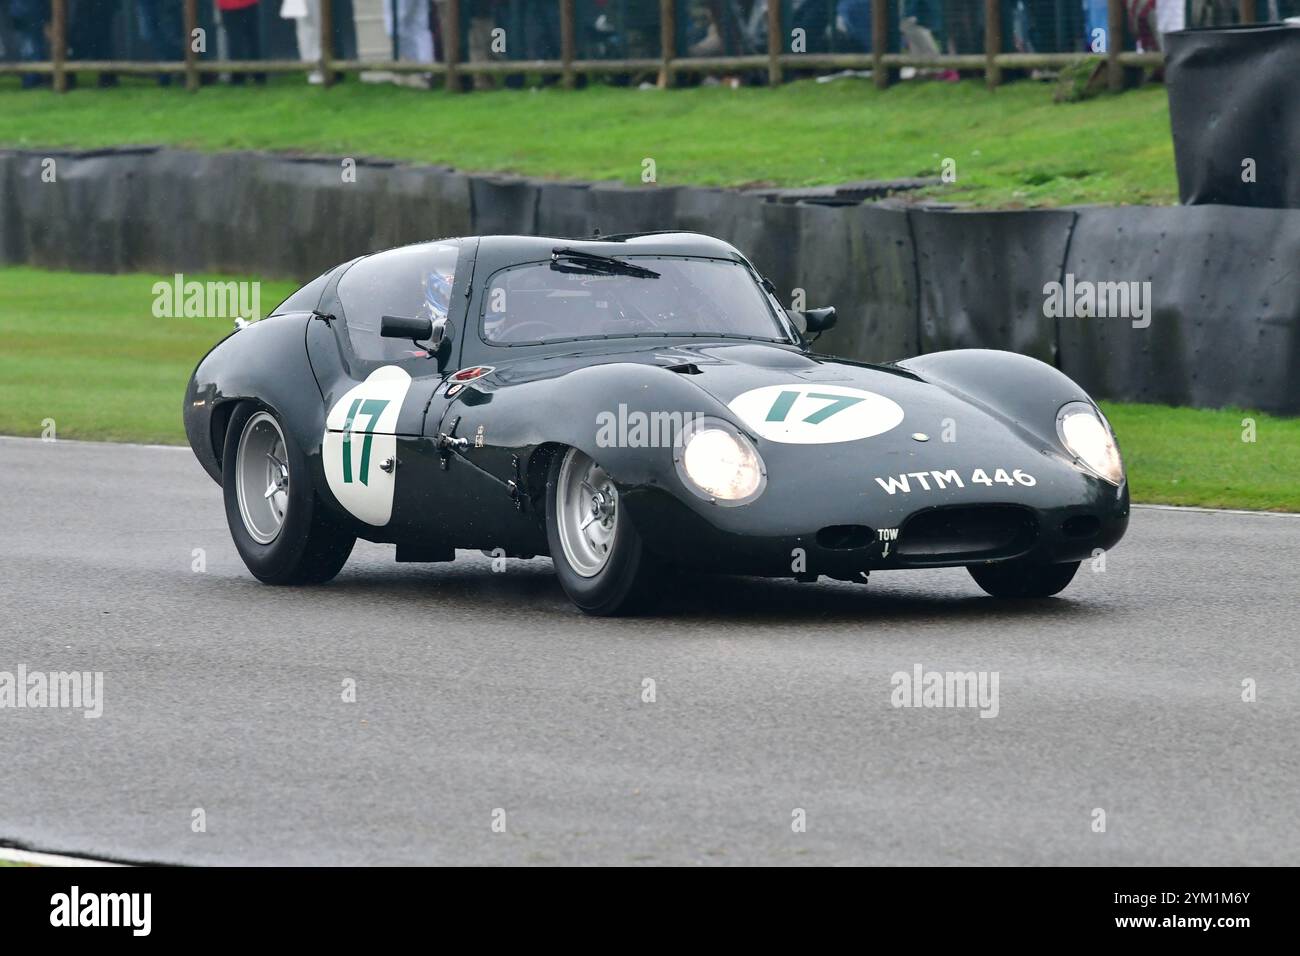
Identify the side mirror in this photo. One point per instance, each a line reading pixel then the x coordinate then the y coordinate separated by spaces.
pixel 819 320
pixel 433 331
pixel 400 327
pixel 813 322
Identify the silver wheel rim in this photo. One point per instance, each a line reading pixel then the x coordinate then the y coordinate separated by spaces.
pixel 586 512
pixel 262 478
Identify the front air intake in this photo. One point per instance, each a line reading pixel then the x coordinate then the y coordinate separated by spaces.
pixel 845 537
pixel 975 532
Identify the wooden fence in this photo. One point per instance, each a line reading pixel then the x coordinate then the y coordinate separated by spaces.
pixel 776 62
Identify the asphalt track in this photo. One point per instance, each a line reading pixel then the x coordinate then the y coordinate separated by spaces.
pixel 479 690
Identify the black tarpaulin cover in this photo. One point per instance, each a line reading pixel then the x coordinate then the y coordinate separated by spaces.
pixel 1234 107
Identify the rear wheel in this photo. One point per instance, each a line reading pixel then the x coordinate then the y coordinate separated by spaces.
pixel 1023 579
pixel 279 526
pixel 600 559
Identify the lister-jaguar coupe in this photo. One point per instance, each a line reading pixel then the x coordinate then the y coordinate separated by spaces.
pixel 629 406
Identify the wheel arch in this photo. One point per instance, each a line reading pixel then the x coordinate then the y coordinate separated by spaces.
pixel 575 404
pixel 1017 387
pixel 538 468
pixel 265 363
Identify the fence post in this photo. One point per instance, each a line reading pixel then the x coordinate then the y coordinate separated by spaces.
pixel 667 41
pixel 396 45
pixel 191 58
pixel 992 42
pixel 451 45
pixel 59 43
pixel 567 43
pixel 879 42
pixel 774 43
pixel 1114 44
pixel 326 43
pixel 1249 13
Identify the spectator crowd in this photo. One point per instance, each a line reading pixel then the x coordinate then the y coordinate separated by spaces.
pixel 415 30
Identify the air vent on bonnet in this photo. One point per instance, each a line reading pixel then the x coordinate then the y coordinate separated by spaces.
pixel 760 356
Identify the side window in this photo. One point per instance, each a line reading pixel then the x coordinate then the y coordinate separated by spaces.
pixel 412 282
pixel 306 298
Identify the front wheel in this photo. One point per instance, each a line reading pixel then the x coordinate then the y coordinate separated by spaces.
pixel 600 559
pixel 1023 579
pixel 280 528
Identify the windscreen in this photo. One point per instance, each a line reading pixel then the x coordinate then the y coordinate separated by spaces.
pixel 663 296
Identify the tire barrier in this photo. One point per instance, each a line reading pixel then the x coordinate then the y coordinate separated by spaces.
pixel 1225 316
pixel 996 293
pixel 1233 114
pixel 1196 305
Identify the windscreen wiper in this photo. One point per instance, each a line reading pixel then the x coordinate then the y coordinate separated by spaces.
pixel 591 262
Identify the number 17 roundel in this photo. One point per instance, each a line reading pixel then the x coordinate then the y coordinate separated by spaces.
pixel 360 433
pixel 811 414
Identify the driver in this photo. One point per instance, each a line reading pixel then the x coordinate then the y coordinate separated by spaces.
pixel 437 294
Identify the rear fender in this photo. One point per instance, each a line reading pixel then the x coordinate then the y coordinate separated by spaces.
pixel 266 363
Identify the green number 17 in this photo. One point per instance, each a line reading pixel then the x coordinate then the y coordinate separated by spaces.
pixel 785 401
pixel 372 408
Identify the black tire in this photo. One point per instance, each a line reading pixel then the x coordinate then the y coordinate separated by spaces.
pixel 1023 579
pixel 628 582
pixel 311 546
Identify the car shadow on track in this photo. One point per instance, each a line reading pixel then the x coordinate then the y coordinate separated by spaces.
pixel 833 601
pixel 531 586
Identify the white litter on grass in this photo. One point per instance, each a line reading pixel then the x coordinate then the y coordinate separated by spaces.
pixel 843 74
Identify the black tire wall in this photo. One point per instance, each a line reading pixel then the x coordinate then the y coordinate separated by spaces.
pixel 1225 280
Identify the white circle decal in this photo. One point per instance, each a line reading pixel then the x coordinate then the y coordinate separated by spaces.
pixel 809 414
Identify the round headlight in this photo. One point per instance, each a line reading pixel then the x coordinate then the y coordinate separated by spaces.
pixel 722 464
pixel 1087 436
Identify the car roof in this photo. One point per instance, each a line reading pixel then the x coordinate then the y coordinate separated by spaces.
pixel 496 251
pixel 624 244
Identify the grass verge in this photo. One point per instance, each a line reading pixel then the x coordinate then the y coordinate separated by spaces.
pixel 1011 147
pixel 87 352
pixel 1195 456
